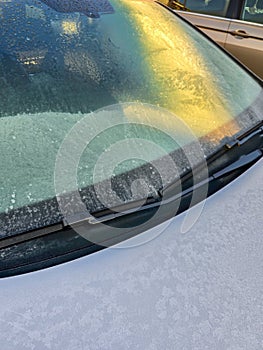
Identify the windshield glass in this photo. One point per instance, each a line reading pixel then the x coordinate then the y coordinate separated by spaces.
pixel 60 61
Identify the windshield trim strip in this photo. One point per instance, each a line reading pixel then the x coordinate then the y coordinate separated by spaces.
pixel 27 236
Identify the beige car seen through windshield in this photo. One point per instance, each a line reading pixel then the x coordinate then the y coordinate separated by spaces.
pixel 235 25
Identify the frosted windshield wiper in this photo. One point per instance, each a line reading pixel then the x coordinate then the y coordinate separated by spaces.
pixel 235 148
pixel 240 156
pixel 237 154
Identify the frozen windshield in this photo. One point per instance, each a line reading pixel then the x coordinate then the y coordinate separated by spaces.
pixel 62 61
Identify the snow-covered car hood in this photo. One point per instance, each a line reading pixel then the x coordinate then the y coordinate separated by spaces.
pixel 197 290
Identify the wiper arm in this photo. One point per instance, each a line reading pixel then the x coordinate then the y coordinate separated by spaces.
pixel 112 213
pixel 244 137
pixel 233 144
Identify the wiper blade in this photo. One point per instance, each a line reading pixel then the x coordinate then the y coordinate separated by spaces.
pixel 227 145
pixel 245 160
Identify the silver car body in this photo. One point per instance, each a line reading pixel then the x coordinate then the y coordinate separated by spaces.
pixel 166 288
